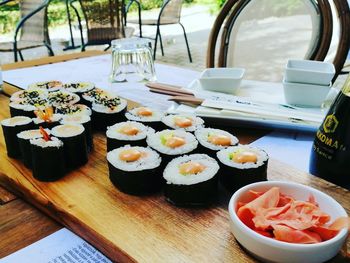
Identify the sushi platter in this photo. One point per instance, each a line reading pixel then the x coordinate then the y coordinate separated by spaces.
pixel 136 199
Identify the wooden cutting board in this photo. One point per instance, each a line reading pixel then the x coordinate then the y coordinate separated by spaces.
pixel 145 229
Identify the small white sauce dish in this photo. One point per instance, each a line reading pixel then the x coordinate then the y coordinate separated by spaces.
pixel 309 71
pixel 305 95
pixel 271 250
pixel 225 80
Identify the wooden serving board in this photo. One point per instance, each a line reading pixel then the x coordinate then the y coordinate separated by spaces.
pixel 145 229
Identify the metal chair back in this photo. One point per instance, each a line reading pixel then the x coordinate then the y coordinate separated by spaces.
pixel 171 12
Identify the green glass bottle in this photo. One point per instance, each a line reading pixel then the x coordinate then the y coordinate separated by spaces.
pixel 330 153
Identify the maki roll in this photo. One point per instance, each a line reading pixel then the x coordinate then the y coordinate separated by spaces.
pixel 242 165
pixel 84 120
pixel 107 111
pixel 147 116
pixel 129 132
pixel 191 180
pixel 172 143
pixel 10 128
pixel 26 107
pixel 135 170
pixel 74 109
pixel 213 140
pixel 24 138
pixel 47 158
pixel 78 87
pixel 184 122
pixel 90 96
pixel 46 118
pixel 74 140
pixel 50 86
pixel 61 97
pixel 24 95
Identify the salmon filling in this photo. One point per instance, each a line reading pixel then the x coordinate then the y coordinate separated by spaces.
pixel 244 157
pixel 191 168
pixel 174 142
pixel 278 216
pixel 219 139
pixel 143 111
pixel 183 122
pixel 129 130
pixel 130 155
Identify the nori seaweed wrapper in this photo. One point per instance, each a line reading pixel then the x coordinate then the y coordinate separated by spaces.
pixel 234 178
pixel 200 194
pixel 47 125
pixel 20 112
pixel 113 143
pixel 100 121
pixel 136 182
pixel 11 140
pixel 48 162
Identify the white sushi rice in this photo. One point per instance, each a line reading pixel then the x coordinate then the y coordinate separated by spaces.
pixel 88 95
pixel 197 122
pixel 113 131
pixel 19 106
pixel 67 130
pixel 154 140
pixel 26 94
pixel 52 85
pixel 55 142
pixel 75 109
pixel 150 160
pixel 54 118
pixel 203 134
pixel 62 97
pixel 104 109
pixel 16 121
pixel 79 119
pixel 224 156
pixel 173 176
pixel 133 115
pixel 31 134
pixel 78 87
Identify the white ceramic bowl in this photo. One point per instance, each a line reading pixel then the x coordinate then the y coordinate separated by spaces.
pixel 305 95
pixel 309 71
pixel 271 250
pixel 226 80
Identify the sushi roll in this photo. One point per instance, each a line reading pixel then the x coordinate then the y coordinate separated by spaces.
pixel 184 122
pixel 147 116
pixel 78 87
pixel 27 107
pixel 61 97
pixel 108 111
pixel 50 86
pixel 48 161
pixel 24 138
pixel 172 143
pixel 90 96
pixel 33 94
pixel 74 140
pixel 84 120
pixel 135 170
pixel 242 165
pixel 46 118
pixel 191 180
pixel 10 128
pixel 129 132
pixel 75 109
pixel 213 140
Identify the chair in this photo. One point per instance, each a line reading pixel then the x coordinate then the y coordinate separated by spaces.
pixel 31 31
pixel 237 14
pixel 104 21
pixel 170 13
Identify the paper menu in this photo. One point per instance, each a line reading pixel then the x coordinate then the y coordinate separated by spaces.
pixel 62 246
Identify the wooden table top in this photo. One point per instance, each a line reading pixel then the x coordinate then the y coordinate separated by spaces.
pixel 21 224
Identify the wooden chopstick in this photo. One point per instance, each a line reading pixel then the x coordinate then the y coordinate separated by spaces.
pixel 167 87
pixel 186 100
pixel 171 93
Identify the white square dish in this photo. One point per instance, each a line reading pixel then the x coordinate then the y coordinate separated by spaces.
pixel 310 72
pixel 225 80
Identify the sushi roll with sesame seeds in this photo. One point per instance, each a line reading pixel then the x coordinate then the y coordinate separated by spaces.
pixel 213 140
pixel 26 107
pixel 148 116
pixel 33 94
pixel 50 86
pixel 135 170
pixel 108 111
pixel 129 132
pixel 90 96
pixel 242 165
pixel 172 143
pixel 79 88
pixel 191 180
pixel 73 109
pixel 185 122
pixel 62 97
